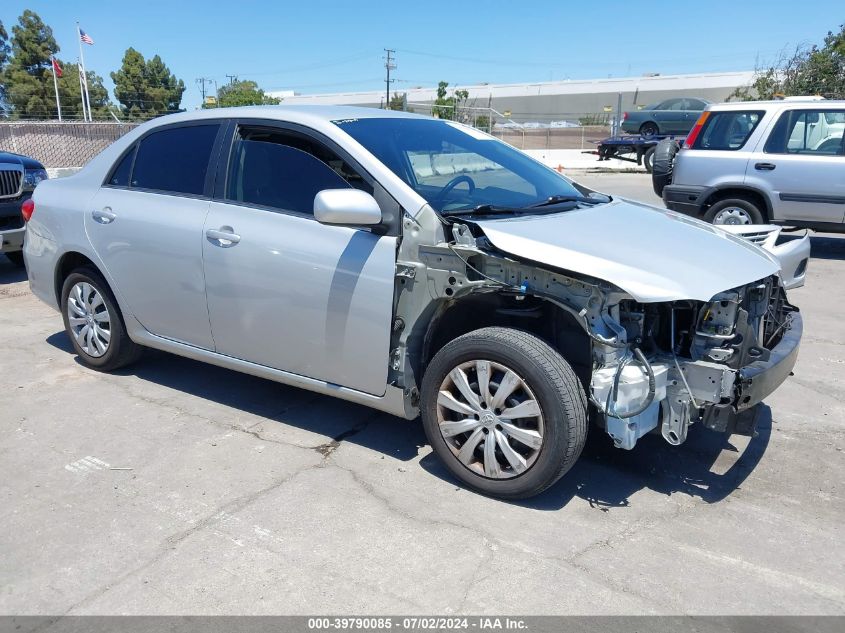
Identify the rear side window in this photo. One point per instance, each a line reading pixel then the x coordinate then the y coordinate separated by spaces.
pixel 727 130
pixel 120 174
pixel 285 171
pixel 175 159
pixel 815 132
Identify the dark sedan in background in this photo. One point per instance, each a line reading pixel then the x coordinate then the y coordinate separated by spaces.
pixel 18 177
pixel 672 116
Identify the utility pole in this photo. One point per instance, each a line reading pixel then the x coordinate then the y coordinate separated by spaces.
pixel 389 64
pixel 232 79
pixel 202 81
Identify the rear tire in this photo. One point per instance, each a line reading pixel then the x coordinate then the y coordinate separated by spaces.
pixel 530 449
pixel 88 302
pixel 16 257
pixel 733 211
pixel 649 129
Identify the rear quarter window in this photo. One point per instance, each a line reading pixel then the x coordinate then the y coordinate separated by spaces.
pixel 727 130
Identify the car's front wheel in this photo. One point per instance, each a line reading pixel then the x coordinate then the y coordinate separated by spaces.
pixel 504 411
pixel 93 322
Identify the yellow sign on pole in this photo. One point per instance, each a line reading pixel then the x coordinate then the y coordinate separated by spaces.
pixel 506 113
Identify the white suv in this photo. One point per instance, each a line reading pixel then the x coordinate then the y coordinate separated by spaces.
pixel 779 162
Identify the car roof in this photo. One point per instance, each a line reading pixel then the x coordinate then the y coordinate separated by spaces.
pixel 808 104
pixel 305 114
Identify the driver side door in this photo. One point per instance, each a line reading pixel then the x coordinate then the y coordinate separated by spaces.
pixel 285 291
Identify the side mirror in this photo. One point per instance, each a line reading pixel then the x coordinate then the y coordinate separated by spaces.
pixel 349 207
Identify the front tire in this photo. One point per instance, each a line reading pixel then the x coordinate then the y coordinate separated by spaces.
pixel 94 324
pixel 504 412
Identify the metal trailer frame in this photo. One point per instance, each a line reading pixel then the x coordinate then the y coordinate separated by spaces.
pixel 619 146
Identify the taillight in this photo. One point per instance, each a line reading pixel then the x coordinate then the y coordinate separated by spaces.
pixel 27 209
pixel 624 116
pixel 693 134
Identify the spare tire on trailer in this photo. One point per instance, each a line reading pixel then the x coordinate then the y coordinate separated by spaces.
pixel 662 163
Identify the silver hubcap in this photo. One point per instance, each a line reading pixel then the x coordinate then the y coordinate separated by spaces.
pixel 732 215
pixel 89 319
pixel 490 419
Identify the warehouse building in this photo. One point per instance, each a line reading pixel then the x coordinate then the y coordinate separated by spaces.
pixel 552 101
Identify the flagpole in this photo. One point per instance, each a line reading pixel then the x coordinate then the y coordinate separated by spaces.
pixel 56 86
pixel 81 90
pixel 86 100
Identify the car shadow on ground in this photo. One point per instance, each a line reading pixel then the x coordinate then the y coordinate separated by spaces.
pixel 9 273
pixel 604 476
pixel 827 246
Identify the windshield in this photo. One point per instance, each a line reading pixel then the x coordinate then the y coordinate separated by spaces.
pixel 455 167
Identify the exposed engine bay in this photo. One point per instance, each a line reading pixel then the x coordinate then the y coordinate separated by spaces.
pixel 646 366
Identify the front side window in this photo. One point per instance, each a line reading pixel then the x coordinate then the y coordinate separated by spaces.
pixel 817 132
pixel 455 167
pixel 728 130
pixel 175 160
pixel 285 170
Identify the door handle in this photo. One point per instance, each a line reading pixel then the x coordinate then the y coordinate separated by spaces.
pixel 105 216
pixel 224 237
pixel 764 166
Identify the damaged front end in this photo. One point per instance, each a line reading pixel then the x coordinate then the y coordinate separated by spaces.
pixel 709 362
pixel 646 366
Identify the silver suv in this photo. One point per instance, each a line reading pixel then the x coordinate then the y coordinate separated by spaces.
pixel 415 266
pixel 779 162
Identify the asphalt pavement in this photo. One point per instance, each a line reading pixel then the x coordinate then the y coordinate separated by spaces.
pixel 174 487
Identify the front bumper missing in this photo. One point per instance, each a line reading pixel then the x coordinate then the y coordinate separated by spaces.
pixel 754 383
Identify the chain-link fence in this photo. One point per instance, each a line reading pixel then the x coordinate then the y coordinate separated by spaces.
pixel 54 144
pixel 72 144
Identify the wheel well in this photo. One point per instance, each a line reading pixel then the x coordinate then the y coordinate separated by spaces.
pixel 537 316
pixel 754 197
pixel 654 123
pixel 67 264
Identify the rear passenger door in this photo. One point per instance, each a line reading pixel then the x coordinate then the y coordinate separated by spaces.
pixel 285 291
pixel 803 164
pixel 671 116
pixel 145 224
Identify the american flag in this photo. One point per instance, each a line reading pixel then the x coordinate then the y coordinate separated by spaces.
pixel 86 39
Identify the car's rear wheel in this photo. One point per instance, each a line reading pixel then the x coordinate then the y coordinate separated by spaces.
pixel 16 257
pixel 93 322
pixel 649 129
pixel 504 411
pixel 733 211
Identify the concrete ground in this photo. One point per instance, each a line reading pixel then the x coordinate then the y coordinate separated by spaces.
pixel 177 487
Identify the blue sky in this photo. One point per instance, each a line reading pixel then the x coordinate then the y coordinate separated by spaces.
pixel 321 46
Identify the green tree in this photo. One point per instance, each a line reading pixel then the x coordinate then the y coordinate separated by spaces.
pixel 450 107
pixel 817 70
pixel 397 101
pixel 70 94
pixel 4 58
pixel 146 88
pixel 243 93
pixel 26 77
